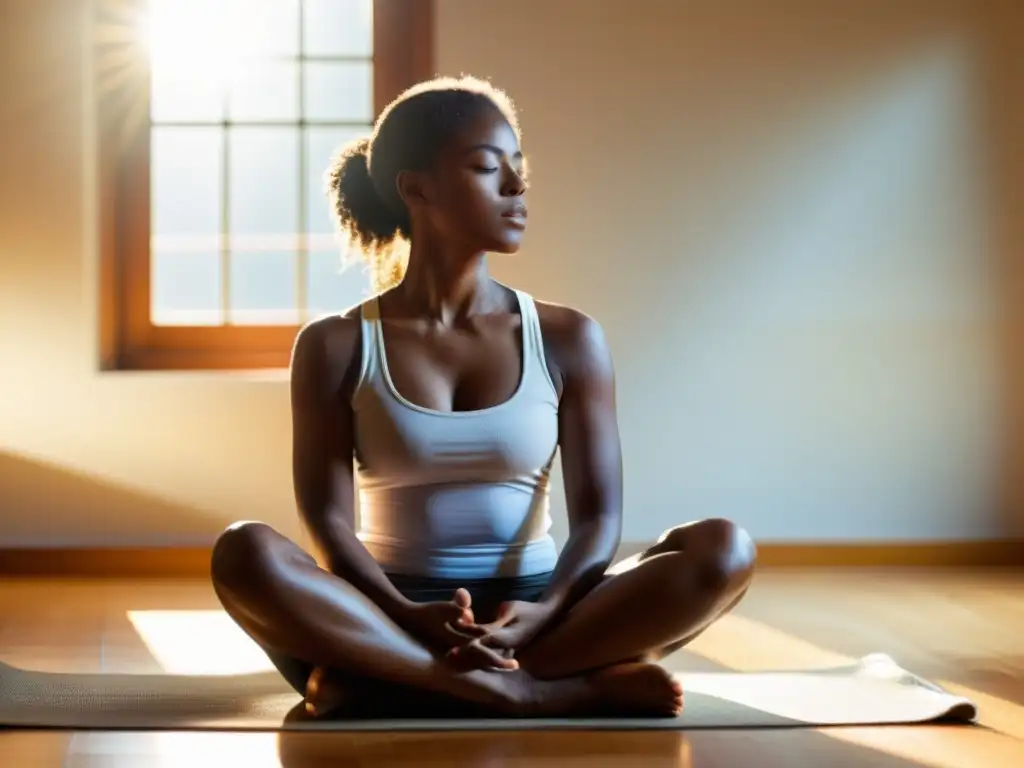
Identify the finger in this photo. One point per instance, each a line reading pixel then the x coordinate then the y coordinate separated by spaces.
pixel 474 655
pixel 499 639
pixel 470 629
pixel 495 626
pixel 463 602
pixel 506 611
pixel 494 657
pixel 506 615
pixel 464 632
pixel 455 614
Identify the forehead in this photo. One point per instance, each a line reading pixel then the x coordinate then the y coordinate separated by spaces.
pixel 487 131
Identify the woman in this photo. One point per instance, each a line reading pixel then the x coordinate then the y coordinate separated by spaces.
pixel 452 393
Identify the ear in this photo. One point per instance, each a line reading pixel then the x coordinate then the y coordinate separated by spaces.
pixel 413 188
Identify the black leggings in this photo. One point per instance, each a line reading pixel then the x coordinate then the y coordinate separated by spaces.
pixel 486 594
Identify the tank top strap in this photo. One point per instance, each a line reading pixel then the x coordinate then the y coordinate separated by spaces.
pixel 369 322
pixel 533 341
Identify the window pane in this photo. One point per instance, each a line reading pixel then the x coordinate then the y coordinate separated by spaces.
pixel 334 285
pixel 263 288
pixel 187 170
pixel 186 287
pixel 339 91
pixel 261 27
pixel 198 47
pixel 267 90
pixel 183 96
pixel 338 28
pixel 185 61
pixel 264 188
pixel 321 144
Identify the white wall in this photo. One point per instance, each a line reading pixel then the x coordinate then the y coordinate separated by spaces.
pixel 794 222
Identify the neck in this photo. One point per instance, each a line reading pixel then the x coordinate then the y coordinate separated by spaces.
pixel 444 283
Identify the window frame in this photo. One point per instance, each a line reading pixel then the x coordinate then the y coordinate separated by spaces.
pixel 128 339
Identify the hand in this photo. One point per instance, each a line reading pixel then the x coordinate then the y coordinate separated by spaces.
pixel 448 628
pixel 516 624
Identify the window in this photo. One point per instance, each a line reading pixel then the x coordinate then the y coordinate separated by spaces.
pixel 216 126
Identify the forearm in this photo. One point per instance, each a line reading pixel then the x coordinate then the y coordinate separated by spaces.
pixel 347 558
pixel 589 551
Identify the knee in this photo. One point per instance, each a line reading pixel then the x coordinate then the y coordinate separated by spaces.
pixel 733 552
pixel 727 551
pixel 240 554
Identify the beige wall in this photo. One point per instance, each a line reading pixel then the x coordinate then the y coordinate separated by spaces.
pixel 795 223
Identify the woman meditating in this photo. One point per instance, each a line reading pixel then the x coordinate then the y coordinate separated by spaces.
pixel 442 401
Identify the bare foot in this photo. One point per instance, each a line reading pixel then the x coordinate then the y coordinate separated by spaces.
pixel 325 692
pixel 625 690
pixel 638 689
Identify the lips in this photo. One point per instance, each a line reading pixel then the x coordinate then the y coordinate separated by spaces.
pixel 516 212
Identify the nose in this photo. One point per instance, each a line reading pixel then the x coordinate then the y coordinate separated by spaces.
pixel 514 183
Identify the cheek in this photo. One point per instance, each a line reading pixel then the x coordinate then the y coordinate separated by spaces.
pixel 468 205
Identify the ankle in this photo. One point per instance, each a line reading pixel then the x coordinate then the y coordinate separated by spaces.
pixel 537 666
pixel 509 692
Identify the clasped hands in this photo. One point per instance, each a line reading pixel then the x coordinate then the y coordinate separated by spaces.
pixel 450 628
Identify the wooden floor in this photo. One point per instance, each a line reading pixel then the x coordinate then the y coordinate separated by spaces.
pixel 964 629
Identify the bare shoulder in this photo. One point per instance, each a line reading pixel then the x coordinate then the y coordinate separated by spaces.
pixel 326 351
pixel 574 341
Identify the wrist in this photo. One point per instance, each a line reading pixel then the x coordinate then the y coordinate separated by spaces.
pixel 550 606
pixel 398 607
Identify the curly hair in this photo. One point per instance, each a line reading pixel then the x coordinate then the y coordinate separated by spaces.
pixel 408 135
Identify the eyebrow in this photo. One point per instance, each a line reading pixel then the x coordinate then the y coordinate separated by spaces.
pixel 492 148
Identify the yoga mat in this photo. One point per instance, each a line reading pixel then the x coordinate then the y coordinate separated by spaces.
pixel 873 691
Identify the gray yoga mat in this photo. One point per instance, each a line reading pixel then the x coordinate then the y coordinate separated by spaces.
pixel 873 691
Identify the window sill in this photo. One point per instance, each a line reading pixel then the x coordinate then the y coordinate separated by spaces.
pixel 230 355
pixel 242 365
pixel 255 375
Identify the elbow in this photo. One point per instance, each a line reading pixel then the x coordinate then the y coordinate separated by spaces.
pixel 612 533
pixel 604 530
pixel 331 532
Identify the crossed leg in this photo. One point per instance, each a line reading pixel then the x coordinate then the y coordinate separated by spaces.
pixel 279 595
pixel 647 606
pixel 651 604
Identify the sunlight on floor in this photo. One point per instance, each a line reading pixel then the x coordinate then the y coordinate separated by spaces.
pixel 743 644
pixel 827 698
pixel 214 750
pixel 209 642
pixel 198 643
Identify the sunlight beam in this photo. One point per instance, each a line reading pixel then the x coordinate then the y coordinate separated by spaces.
pixel 198 643
pixel 208 642
pixel 743 644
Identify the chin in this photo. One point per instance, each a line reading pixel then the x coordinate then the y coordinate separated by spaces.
pixel 505 248
pixel 507 242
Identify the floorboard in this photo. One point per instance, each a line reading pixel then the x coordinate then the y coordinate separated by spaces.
pixel 962 628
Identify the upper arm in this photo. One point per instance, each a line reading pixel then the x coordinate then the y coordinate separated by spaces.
pixel 324 358
pixel 588 423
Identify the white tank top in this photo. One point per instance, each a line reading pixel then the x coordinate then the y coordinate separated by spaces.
pixel 462 494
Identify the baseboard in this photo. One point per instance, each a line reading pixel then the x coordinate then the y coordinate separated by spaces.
pixel 194 562
pixel 1001 553
pixel 996 553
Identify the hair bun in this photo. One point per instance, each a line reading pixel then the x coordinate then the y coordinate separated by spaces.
pixel 361 213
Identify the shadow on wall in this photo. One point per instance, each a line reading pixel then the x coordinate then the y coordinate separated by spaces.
pixel 32 491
